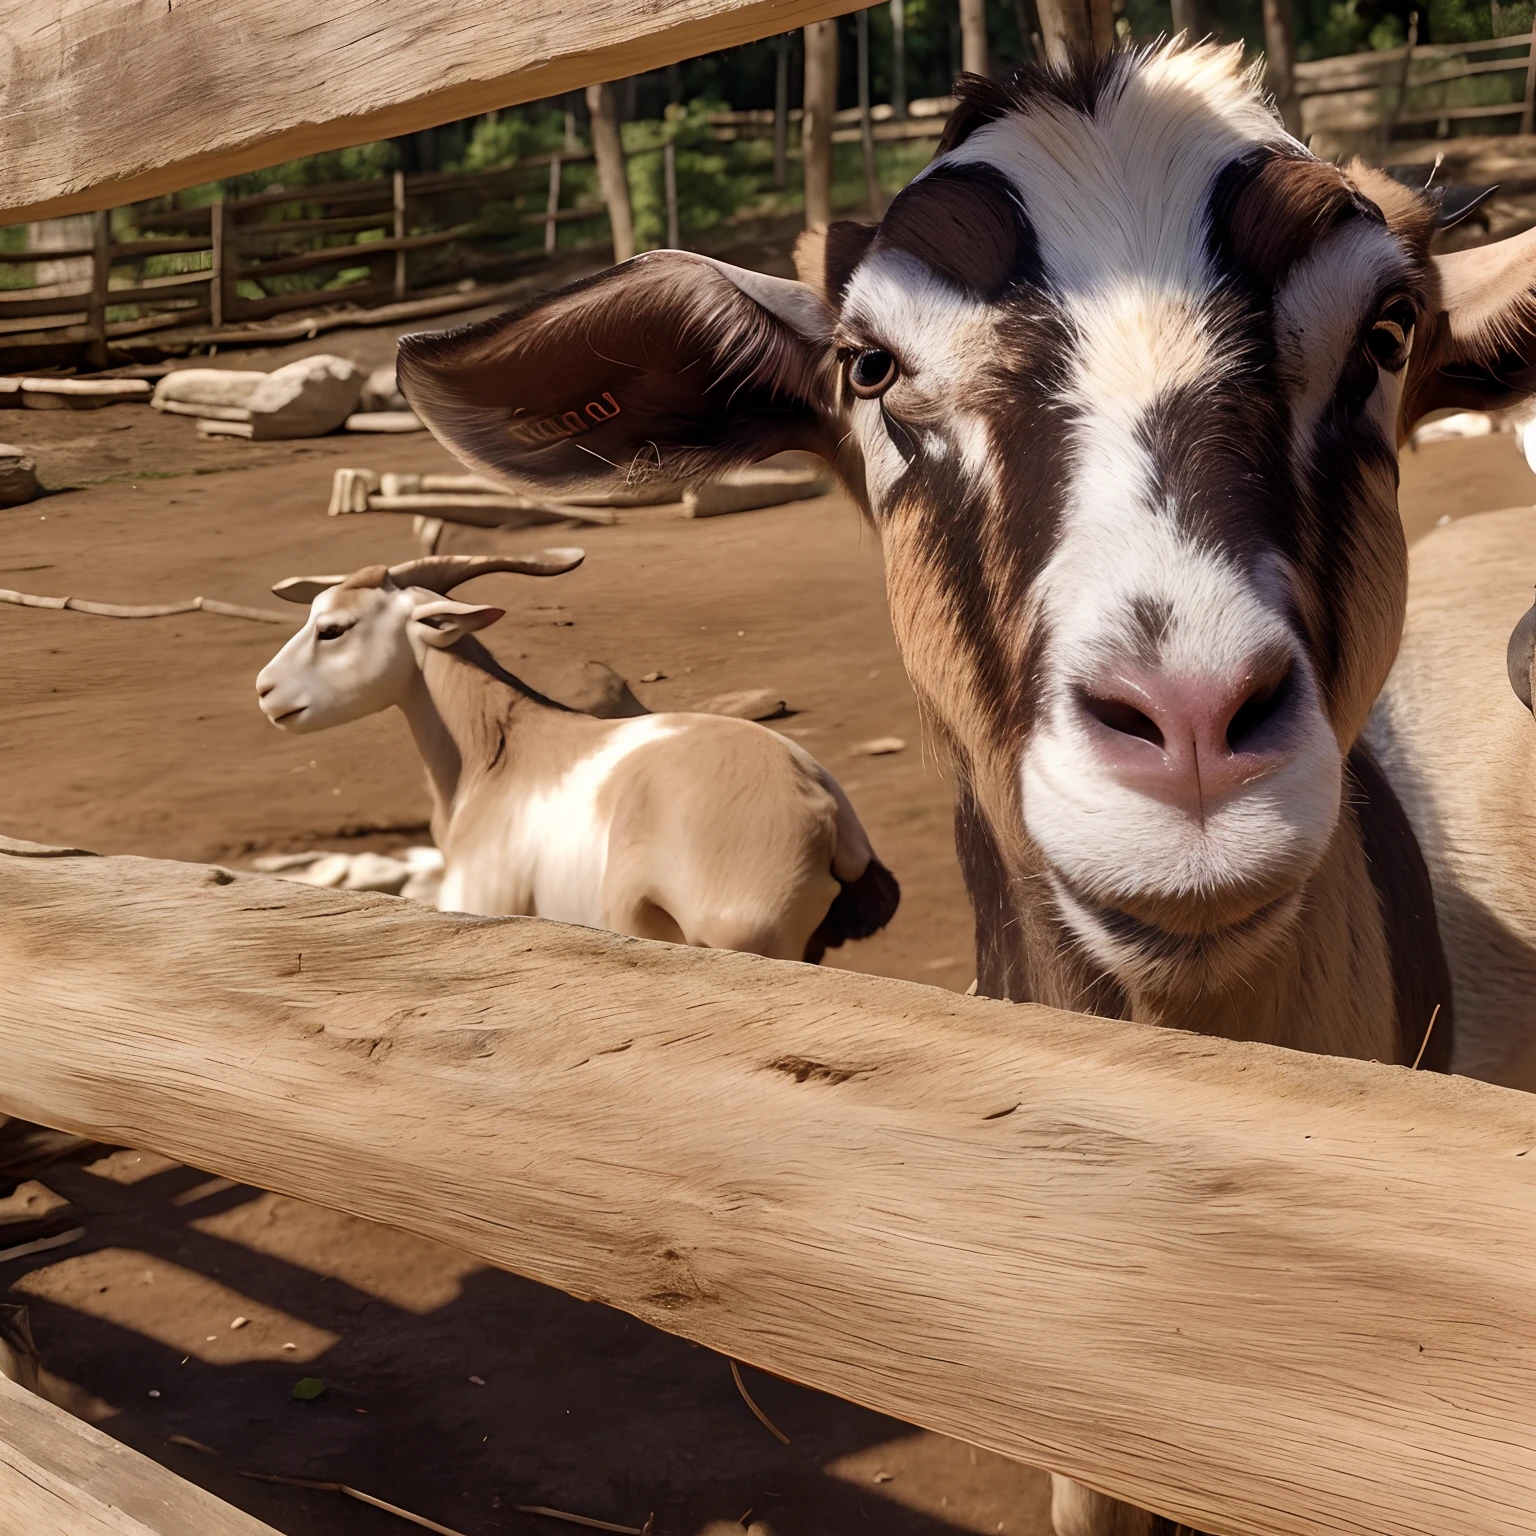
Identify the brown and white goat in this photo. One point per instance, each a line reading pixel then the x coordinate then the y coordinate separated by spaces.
pixel 1120 380
pixel 1453 729
pixel 690 828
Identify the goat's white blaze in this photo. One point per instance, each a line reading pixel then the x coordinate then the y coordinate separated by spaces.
pixel 548 855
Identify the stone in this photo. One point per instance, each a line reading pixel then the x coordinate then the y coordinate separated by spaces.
pixel 880 746
pixel 18 476
pixel 746 704
pixel 381 392
pixel 307 398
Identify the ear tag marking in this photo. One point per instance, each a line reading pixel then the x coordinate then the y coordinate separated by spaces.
pixel 552 429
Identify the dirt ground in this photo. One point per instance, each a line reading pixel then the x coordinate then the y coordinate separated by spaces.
pixel 453 1390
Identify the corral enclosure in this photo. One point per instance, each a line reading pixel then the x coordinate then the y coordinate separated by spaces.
pixel 185 1313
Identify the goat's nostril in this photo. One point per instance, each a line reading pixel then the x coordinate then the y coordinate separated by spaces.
pixel 1123 718
pixel 263 688
pixel 1256 711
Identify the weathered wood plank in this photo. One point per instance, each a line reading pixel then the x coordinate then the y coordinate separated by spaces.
pixel 94 94
pixel 61 1477
pixel 1264 1293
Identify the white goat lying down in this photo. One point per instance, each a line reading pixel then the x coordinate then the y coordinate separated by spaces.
pixel 691 828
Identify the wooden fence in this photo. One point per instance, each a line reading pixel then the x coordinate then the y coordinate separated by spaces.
pixel 1419 92
pixel 1265 1293
pixel 376 242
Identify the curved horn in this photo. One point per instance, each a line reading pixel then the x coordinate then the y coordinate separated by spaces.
pixel 442 573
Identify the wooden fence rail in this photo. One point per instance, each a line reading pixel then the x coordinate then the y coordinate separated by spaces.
pixel 1264 1293
pixel 248 241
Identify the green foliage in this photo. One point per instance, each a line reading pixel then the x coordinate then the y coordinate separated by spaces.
pixel 499 138
pixel 712 181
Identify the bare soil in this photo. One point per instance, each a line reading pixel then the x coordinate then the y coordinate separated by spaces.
pixel 144 737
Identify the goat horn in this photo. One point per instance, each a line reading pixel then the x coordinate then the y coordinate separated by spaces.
pixel 442 573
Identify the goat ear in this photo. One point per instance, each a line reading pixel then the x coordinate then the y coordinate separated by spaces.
pixel 305 589
pixel 671 367
pixel 443 622
pixel 1480 353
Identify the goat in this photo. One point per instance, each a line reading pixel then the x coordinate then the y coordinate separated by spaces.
pixel 690 828
pixel 1453 729
pixel 1120 380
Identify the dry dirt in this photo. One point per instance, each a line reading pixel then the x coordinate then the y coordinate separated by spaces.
pixel 144 737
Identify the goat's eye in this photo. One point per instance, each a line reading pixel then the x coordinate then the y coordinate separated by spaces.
pixel 871 373
pixel 1392 335
pixel 330 631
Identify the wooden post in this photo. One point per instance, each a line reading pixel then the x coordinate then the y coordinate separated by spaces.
pixel 1068 28
pixel 101 275
pixel 866 126
pixel 1280 60
pixel 973 37
pixel 608 150
pixel 552 207
pixel 1392 108
pixel 1529 108
pixel 816 121
pixel 63 1477
pixel 222 291
pixel 669 191
pixel 898 59
pixel 781 112
pixel 1261 1293
pixel 401 278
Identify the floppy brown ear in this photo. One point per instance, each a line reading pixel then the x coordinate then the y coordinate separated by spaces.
pixel 670 367
pixel 305 589
pixel 1481 351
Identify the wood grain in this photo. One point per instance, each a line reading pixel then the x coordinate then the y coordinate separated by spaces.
pixel 105 102
pixel 61 1477
pixel 1260 1292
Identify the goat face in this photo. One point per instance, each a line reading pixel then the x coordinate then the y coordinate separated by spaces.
pixel 1120 379
pixel 361 650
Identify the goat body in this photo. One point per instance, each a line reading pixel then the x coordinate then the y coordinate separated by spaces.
pixel 1461 749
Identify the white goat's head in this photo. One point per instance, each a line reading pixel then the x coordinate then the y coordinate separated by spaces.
pixel 368 634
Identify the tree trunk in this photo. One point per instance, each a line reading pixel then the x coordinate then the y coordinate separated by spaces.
pixel 816 121
pixel 1068 28
pixel 781 113
pixel 1102 21
pixel 1186 19
pixel 1280 60
pixel 866 126
pixel 973 37
pixel 898 59
pixel 603 105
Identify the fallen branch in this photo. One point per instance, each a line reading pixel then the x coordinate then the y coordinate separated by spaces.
pixel 757 1413
pixel 146 610
pixel 586 1520
pixel 362 1498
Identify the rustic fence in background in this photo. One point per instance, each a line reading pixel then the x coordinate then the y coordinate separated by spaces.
pixel 248 258
pixel 1419 92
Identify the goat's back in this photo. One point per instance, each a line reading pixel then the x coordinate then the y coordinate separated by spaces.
pixel 1460 750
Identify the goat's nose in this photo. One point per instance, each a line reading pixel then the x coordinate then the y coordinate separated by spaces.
pixel 1191 740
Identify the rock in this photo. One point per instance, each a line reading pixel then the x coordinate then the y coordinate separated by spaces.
pixel 307 398
pixel 381 392
pixel 654 677
pixel 747 704
pixel 18 476
pixel 191 391
pixel 592 687
pixel 879 746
